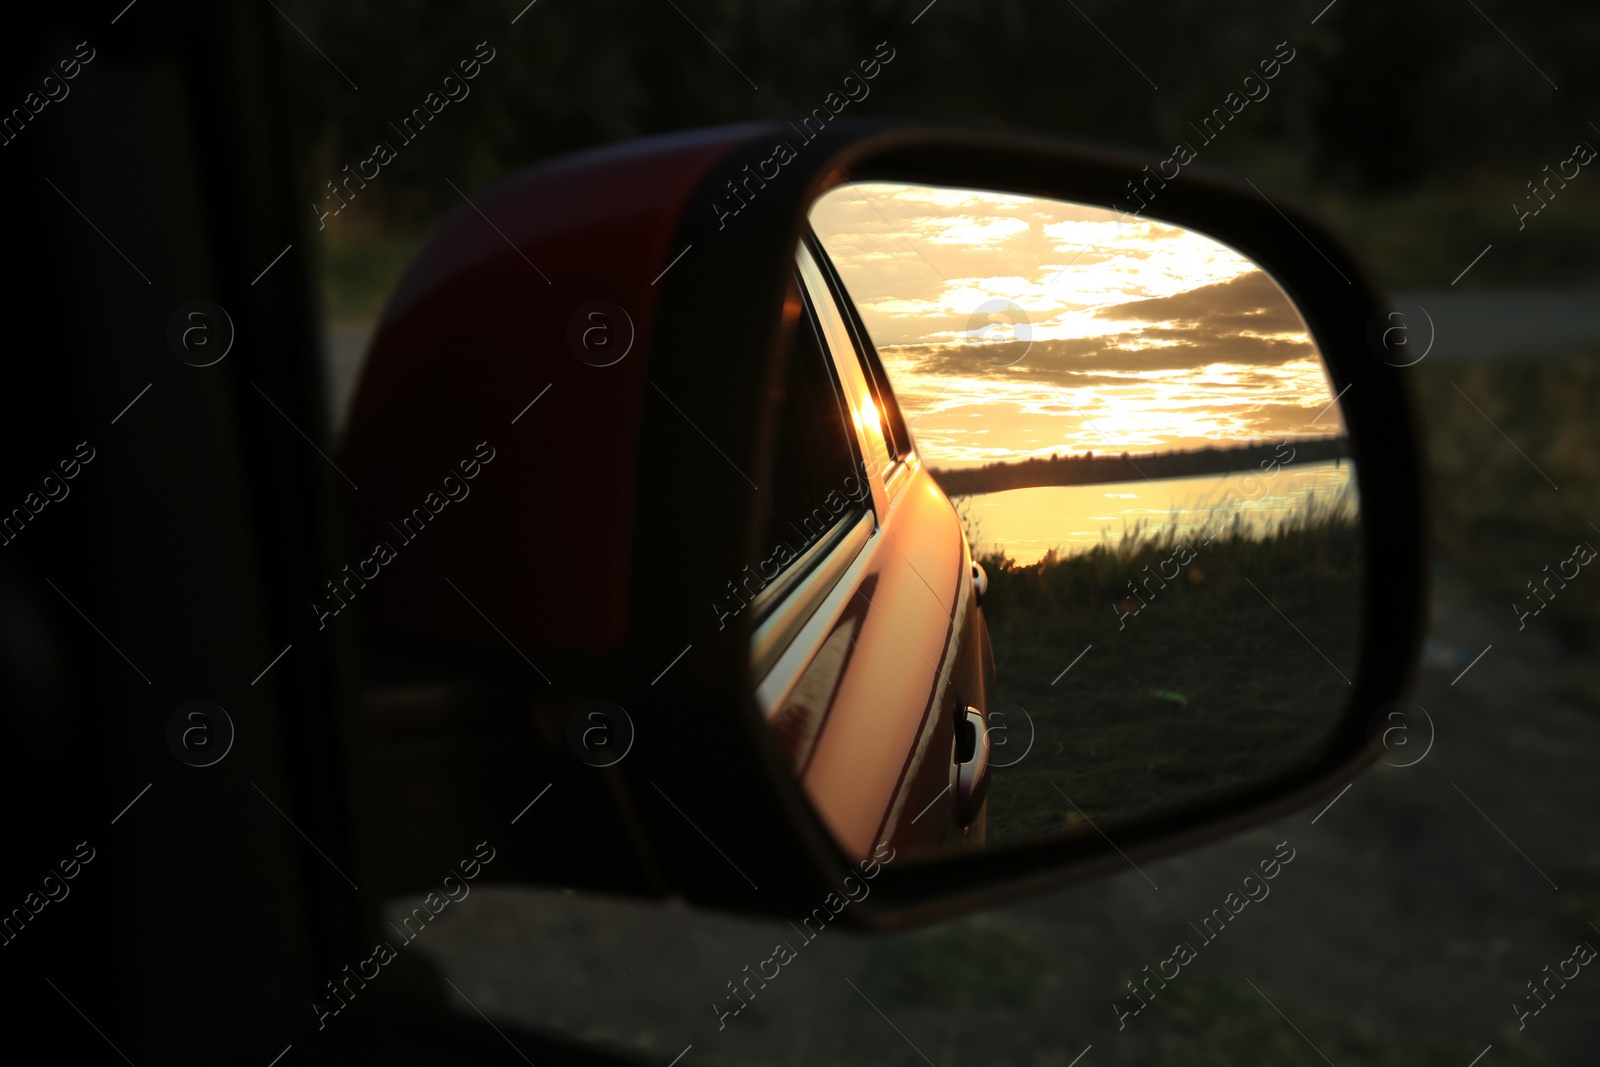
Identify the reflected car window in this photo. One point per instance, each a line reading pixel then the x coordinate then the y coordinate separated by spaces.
pixel 837 333
pixel 814 468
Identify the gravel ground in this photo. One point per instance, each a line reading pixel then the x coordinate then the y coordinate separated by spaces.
pixel 1404 931
pixel 1401 932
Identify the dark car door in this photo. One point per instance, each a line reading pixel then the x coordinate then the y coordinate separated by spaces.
pixel 871 660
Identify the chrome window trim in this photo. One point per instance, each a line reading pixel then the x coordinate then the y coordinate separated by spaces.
pixel 874 446
pixel 803 613
pixel 785 642
pixel 768 597
pixel 871 362
pixel 898 477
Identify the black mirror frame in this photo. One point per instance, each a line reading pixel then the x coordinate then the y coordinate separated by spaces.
pixel 738 284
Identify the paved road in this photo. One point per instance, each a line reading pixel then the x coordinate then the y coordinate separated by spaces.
pixel 1479 325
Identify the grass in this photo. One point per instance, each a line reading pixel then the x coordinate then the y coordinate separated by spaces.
pixel 361 264
pixel 1222 1022
pixel 1423 239
pixel 1497 520
pixel 1208 688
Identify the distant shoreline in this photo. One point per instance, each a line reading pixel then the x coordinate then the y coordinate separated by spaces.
pixel 1090 469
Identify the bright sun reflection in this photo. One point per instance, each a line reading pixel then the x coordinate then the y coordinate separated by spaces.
pixel 1110 368
pixel 1119 335
pixel 869 415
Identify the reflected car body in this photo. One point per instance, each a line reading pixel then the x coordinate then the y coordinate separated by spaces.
pixel 869 652
pixel 879 696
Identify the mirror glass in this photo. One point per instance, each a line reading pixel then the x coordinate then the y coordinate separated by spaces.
pixel 1064 527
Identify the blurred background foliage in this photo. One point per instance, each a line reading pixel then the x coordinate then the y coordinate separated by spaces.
pixel 1412 127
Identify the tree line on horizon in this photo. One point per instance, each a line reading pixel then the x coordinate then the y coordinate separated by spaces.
pixel 1089 469
pixel 1381 100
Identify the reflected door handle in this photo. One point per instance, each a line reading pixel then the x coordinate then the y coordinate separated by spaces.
pixel 971 764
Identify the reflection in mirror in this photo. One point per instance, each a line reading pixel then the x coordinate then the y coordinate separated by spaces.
pixel 1130 426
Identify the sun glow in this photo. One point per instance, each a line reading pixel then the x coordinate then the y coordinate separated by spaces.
pixel 1014 328
pixel 1144 336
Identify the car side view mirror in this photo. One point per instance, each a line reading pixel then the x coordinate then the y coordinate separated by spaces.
pixel 751 513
